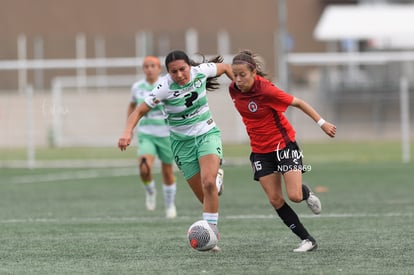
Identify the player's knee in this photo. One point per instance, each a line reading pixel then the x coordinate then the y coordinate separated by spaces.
pixel 209 184
pixel 144 170
pixel 295 197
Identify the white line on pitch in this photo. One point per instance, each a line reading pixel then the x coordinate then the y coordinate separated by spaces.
pixel 73 175
pixel 152 219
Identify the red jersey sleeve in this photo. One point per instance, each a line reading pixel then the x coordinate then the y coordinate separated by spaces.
pixel 277 99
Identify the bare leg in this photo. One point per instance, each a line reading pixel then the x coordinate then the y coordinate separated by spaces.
pixel 203 184
pixel 293 182
pixel 272 186
pixel 145 163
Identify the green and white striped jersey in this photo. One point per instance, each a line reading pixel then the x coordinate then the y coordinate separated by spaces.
pixel 153 123
pixel 188 113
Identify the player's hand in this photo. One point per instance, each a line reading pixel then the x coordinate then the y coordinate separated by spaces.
pixel 329 129
pixel 124 142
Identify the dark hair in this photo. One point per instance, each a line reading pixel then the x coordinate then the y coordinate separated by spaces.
pixel 212 83
pixel 252 60
pixel 176 55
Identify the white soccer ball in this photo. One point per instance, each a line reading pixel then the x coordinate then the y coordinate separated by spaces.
pixel 201 236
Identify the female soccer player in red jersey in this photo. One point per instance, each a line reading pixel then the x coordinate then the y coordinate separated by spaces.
pixel 274 151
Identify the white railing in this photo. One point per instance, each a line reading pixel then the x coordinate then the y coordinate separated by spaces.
pixel 370 58
pixel 80 63
pixel 65 82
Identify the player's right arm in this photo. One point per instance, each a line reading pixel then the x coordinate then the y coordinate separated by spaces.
pixel 131 108
pixel 132 121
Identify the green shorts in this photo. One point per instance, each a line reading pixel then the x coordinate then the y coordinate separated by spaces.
pixel 155 146
pixel 187 152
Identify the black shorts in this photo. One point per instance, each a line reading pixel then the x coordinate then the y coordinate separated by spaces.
pixel 281 161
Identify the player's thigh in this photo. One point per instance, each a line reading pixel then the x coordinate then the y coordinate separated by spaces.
pixel 209 165
pixel 188 152
pixel 210 144
pixel 272 186
pixel 164 152
pixel 146 146
pixel 185 156
pixel 210 151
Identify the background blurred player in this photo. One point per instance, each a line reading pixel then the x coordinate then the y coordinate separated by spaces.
pixel 153 140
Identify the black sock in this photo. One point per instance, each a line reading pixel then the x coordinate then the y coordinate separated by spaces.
pixel 290 218
pixel 305 192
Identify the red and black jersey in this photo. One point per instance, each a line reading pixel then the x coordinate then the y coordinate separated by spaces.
pixel 262 111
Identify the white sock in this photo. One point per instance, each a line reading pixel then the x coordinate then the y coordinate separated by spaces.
pixel 169 194
pixel 150 187
pixel 211 217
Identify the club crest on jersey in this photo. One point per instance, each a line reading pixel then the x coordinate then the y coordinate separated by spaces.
pixel 197 83
pixel 252 106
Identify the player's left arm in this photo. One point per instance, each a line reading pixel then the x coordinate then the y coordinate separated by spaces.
pixel 223 68
pixel 327 127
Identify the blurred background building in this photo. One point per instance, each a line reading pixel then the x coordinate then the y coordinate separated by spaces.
pixel 109 28
pixel 67 66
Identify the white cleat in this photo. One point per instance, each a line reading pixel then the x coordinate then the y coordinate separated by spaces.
pixel 306 245
pixel 216 249
pixel 314 202
pixel 171 212
pixel 219 181
pixel 150 200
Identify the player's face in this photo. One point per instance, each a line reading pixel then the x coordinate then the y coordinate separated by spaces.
pixel 243 76
pixel 151 70
pixel 179 71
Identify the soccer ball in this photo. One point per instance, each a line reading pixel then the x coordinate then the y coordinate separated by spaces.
pixel 201 236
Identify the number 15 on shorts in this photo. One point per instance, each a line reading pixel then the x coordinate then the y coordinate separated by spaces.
pixel 257 165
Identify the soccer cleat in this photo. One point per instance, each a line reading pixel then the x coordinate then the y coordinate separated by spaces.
pixel 314 203
pixel 219 181
pixel 216 249
pixel 150 200
pixel 215 230
pixel 171 212
pixel 306 245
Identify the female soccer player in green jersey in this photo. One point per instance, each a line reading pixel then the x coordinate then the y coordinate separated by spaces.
pixel 195 138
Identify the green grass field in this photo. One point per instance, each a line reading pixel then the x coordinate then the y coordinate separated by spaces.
pixel 93 220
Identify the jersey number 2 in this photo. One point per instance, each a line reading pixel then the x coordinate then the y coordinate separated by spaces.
pixel 190 98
